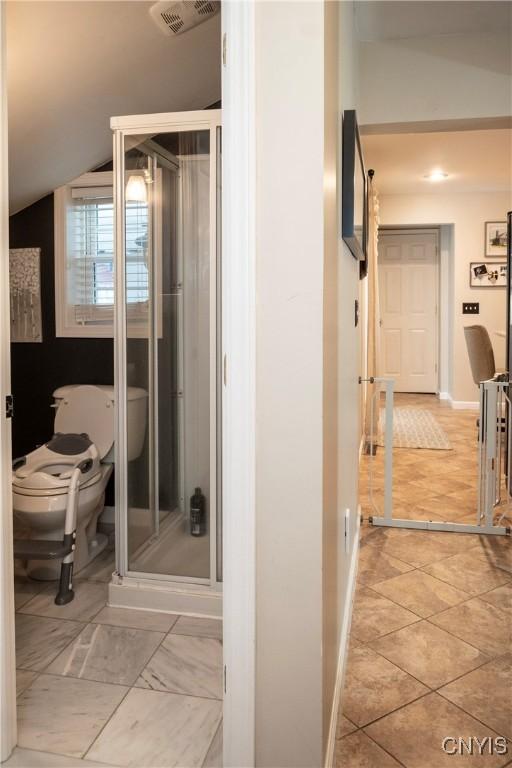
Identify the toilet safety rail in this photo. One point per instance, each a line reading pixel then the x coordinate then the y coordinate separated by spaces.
pixel 44 549
pixel 69 464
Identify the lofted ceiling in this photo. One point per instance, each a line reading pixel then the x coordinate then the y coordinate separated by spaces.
pixel 73 65
pixel 401 19
pixel 475 161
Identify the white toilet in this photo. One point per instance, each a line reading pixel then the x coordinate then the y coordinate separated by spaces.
pixel 84 431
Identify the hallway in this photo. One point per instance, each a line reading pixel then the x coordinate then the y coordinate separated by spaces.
pixel 431 629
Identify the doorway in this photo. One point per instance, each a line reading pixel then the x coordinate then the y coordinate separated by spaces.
pixel 409 301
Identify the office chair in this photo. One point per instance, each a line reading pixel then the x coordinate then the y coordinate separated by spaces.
pixel 481 355
pixel 481 358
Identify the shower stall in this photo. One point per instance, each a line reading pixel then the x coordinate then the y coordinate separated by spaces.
pixel 167 342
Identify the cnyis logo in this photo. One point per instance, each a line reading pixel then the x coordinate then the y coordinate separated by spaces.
pixel 475 745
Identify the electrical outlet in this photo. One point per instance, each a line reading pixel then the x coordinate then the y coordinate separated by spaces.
pixel 471 308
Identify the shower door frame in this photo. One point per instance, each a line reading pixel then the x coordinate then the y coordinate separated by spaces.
pixel 157 584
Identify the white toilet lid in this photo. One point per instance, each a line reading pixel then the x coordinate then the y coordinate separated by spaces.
pixel 88 409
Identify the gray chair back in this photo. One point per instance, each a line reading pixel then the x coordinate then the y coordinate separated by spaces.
pixel 481 355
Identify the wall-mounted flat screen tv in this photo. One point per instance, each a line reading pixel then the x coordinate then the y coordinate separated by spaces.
pixel 354 188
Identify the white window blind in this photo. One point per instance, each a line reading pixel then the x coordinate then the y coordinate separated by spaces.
pixel 85 260
pixel 90 228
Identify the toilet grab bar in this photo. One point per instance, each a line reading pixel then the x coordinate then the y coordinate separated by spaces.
pixel 43 549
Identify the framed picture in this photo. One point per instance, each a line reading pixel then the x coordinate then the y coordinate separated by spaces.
pixel 489 274
pixel 354 214
pixel 495 238
pixel 25 294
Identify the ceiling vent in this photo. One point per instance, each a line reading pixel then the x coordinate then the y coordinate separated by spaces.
pixel 174 18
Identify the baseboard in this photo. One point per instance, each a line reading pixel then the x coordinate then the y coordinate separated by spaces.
pixel 465 405
pixel 344 640
pixel 460 405
pixel 164 597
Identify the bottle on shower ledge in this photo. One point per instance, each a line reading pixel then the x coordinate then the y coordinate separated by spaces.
pixel 197 513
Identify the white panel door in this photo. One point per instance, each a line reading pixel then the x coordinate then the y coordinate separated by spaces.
pixel 408 285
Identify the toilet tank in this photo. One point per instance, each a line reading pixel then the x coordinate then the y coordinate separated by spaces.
pixel 136 415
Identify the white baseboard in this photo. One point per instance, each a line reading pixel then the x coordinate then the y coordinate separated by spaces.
pixel 344 640
pixel 465 405
pixel 460 405
pixel 149 595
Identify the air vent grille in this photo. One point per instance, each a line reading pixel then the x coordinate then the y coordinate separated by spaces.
pixel 174 18
pixel 204 7
pixel 173 21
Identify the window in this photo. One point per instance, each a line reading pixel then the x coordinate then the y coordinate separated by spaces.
pixel 85 258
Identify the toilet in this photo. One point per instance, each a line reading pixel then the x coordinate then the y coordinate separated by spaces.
pixel 84 432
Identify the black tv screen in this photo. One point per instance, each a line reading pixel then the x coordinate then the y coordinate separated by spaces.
pixel 354 189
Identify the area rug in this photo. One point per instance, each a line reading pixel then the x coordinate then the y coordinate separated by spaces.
pixel 414 428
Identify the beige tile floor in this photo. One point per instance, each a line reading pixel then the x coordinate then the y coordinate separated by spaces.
pixel 431 632
pixel 113 687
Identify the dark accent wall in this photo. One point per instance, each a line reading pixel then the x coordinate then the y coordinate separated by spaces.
pixel 38 369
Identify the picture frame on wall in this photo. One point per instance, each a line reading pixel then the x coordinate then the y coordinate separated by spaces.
pixel 354 214
pixel 489 274
pixel 495 238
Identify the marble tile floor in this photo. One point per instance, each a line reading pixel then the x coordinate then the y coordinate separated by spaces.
pixel 101 686
pixel 431 638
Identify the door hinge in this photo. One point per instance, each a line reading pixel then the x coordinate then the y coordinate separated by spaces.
pixel 225 679
pixel 224 49
pixel 9 406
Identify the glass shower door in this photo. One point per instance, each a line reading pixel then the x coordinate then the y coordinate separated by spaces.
pixel 169 351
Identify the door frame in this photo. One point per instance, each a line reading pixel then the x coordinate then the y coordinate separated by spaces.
pixel 425 230
pixel 239 395
pixel 8 731
pixel 239 379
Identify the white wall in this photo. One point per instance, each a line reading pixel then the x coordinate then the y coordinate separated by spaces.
pixel 349 338
pixel 448 77
pixel 467 213
pixel 289 382
pixel 307 391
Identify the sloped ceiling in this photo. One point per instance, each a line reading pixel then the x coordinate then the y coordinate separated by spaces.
pixel 73 65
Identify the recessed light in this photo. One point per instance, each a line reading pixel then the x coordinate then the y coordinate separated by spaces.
pixel 436 175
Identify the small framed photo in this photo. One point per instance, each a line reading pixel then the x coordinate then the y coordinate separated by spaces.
pixel 491 274
pixel 495 238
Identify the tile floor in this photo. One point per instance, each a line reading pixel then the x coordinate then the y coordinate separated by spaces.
pixel 430 645
pixel 100 686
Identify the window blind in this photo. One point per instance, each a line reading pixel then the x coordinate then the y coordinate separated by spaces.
pixel 91 259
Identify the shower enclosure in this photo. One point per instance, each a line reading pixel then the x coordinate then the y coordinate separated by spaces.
pixel 167 199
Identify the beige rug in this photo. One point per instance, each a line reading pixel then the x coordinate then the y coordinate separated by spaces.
pixel 414 428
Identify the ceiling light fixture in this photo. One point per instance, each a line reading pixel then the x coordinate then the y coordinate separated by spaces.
pixel 436 175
